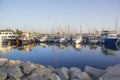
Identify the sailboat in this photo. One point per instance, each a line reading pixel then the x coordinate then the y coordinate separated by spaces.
pixel 78 38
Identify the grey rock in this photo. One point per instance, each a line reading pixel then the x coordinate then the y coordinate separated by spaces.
pixel 108 68
pixel 52 76
pixel 84 76
pixel 93 72
pixel 42 71
pixel 3 61
pixel 77 74
pixel 15 72
pixel 39 66
pixel 28 67
pixel 11 78
pixel 14 63
pixel 12 71
pixel 3 75
pixel 109 78
pixel 112 74
pixel 63 73
pixel 33 76
pixel 53 70
pixel 74 72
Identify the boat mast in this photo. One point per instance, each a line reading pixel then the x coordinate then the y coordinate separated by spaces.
pixel 116 25
pixel 80 30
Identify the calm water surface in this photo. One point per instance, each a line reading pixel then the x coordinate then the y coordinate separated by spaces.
pixel 59 55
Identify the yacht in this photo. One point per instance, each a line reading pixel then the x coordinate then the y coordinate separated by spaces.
pixel 44 39
pixel 6 36
pixel 63 40
pixel 77 40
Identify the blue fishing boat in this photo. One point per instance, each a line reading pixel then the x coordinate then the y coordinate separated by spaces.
pixel 111 39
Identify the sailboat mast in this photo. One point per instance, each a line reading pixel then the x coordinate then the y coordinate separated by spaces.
pixel 116 25
pixel 80 30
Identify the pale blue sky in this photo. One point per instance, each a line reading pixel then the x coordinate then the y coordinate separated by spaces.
pixel 40 15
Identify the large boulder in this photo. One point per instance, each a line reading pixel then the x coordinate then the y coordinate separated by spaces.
pixel 52 76
pixel 73 72
pixel 42 71
pixel 28 67
pixel 112 73
pixel 33 76
pixel 93 72
pixel 77 74
pixel 53 69
pixel 12 71
pixel 14 63
pixel 39 66
pixel 63 73
pixel 3 75
pixel 3 61
pixel 42 74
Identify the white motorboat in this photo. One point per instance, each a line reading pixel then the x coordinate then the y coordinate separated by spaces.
pixel 44 39
pixel 77 40
pixel 94 40
pixel 63 40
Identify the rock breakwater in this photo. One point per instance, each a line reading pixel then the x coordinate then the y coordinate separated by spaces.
pixel 19 70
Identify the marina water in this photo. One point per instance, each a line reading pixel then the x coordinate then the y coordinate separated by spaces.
pixel 67 55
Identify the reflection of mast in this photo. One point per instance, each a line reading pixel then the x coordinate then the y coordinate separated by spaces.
pixel 55 56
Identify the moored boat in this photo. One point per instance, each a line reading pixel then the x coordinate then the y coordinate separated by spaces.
pixel 24 39
pixel 44 39
pixel 6 36
pixel 111 39
pixel 77 40
pixel 93 40
pixel 63 40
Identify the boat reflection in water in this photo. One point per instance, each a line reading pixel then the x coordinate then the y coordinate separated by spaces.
pixel 44 45
pixel 93 46
pixel 26 48
pixel 110 49
pixel 62 46
pixel 5 48
pixel 77 47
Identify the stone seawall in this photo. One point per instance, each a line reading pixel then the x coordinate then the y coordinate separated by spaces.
pixel 19 70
